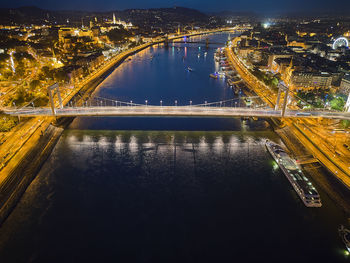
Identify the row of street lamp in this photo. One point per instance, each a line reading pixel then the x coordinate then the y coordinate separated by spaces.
pixel 101 102
pixel 161 102
pixel 86 104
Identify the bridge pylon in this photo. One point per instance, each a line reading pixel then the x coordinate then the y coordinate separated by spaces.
pixel 166 41
pixel 52 103
pixel 282 88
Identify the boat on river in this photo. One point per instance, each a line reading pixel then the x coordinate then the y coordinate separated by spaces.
pixel 345 236
pixel 301 184
pixel 214 75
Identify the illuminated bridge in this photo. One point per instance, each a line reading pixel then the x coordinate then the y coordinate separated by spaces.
pixel 236 107
pixel 129 109
pixel 174 111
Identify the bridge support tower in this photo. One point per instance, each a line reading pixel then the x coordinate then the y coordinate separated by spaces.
pixel 49 90
pixel 282 88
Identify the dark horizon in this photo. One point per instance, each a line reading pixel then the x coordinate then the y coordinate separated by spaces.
pixel 268 7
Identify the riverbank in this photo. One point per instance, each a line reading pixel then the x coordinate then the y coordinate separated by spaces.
pixel 21 175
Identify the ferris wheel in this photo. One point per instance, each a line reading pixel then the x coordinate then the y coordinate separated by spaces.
pixel 341 42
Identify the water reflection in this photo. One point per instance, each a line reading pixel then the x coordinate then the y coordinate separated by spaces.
pixel 161 142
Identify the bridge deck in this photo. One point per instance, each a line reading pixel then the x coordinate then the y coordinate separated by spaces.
pixel 181 111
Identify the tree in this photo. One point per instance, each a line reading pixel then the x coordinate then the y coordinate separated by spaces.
pixel 20 69
pixel 7 123
pixel 20 95
pixel 274 82
pixel 21 55
pixel 118 34
pixel 61 76
pixel 4 58
pixel 45 70
pixel 42 101
pixel 337 103
pixel 34 84
pixel 345 124
pixel 46 73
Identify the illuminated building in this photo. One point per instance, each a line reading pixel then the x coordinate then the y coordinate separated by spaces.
pixel 310 80
pixel 345 85
pixel 64 32
pixel 272 57
pixel 296 44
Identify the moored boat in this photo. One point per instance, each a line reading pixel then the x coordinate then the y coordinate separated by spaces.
pixel 214 75
pixel 345 236
pixel 301 184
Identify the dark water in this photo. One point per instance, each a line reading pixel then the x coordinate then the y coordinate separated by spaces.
pixel 131 190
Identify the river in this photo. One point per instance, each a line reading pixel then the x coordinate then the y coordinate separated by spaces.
pixel 167 189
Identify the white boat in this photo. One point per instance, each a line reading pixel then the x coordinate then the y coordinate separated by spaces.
pixel 221 74
pixel 345 236
pixel 214 76
pixel 301 184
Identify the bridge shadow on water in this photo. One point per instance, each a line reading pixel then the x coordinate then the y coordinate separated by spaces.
pixel 164 123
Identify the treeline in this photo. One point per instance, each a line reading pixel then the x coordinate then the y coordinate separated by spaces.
pixel 118 35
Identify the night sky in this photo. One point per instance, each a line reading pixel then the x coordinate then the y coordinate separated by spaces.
pixel 263 6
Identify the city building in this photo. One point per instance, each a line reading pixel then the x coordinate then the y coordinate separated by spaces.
pixel 301 80
pixel 345 85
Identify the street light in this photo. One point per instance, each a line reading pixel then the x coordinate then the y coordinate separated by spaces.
pixel 190 102
pixel 146 102
pixel 175 103
pixel 161 103
pixel 131 103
